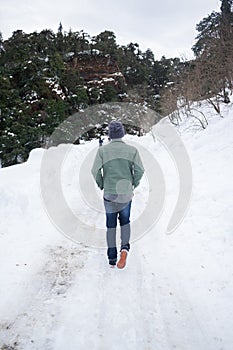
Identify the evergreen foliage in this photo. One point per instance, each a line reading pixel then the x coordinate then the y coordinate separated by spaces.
pixel 46 77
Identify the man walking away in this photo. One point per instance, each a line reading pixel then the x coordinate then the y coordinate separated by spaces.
pixel 117 170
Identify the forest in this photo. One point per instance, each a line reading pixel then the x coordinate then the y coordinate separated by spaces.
pixel 45 77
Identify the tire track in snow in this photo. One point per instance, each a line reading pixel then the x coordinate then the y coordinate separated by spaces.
pixel 39 313
pixel 128 310
pixel 181 326
pixel 118 313
pixel 155 337
pixel 176 325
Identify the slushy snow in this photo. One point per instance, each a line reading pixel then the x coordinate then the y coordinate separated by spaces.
pixel 176 291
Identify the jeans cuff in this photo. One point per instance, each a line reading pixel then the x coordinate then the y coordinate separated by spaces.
pixel 112 261
pixel 125 247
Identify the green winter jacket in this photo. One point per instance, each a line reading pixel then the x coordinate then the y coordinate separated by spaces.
pixel 117 168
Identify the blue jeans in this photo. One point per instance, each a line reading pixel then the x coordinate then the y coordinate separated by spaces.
pixel 122 212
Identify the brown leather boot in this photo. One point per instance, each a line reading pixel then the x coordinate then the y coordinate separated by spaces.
pixel 122 262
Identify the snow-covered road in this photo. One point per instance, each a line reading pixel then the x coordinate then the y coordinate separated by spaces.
pixel 176 291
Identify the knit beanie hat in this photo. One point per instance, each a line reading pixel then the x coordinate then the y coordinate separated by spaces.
pixel 116 130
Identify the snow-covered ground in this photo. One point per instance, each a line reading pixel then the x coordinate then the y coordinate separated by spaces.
pixel 176 291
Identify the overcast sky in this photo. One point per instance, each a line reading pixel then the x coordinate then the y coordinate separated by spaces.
pixel 167 27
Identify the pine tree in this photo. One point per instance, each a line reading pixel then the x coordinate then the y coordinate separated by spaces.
pixel 105 42
pixel 214 51
pixel 226 21
pixel 1 44
pixel 208 29
pixel 60 39
pixel 226 7
pixel 60 29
